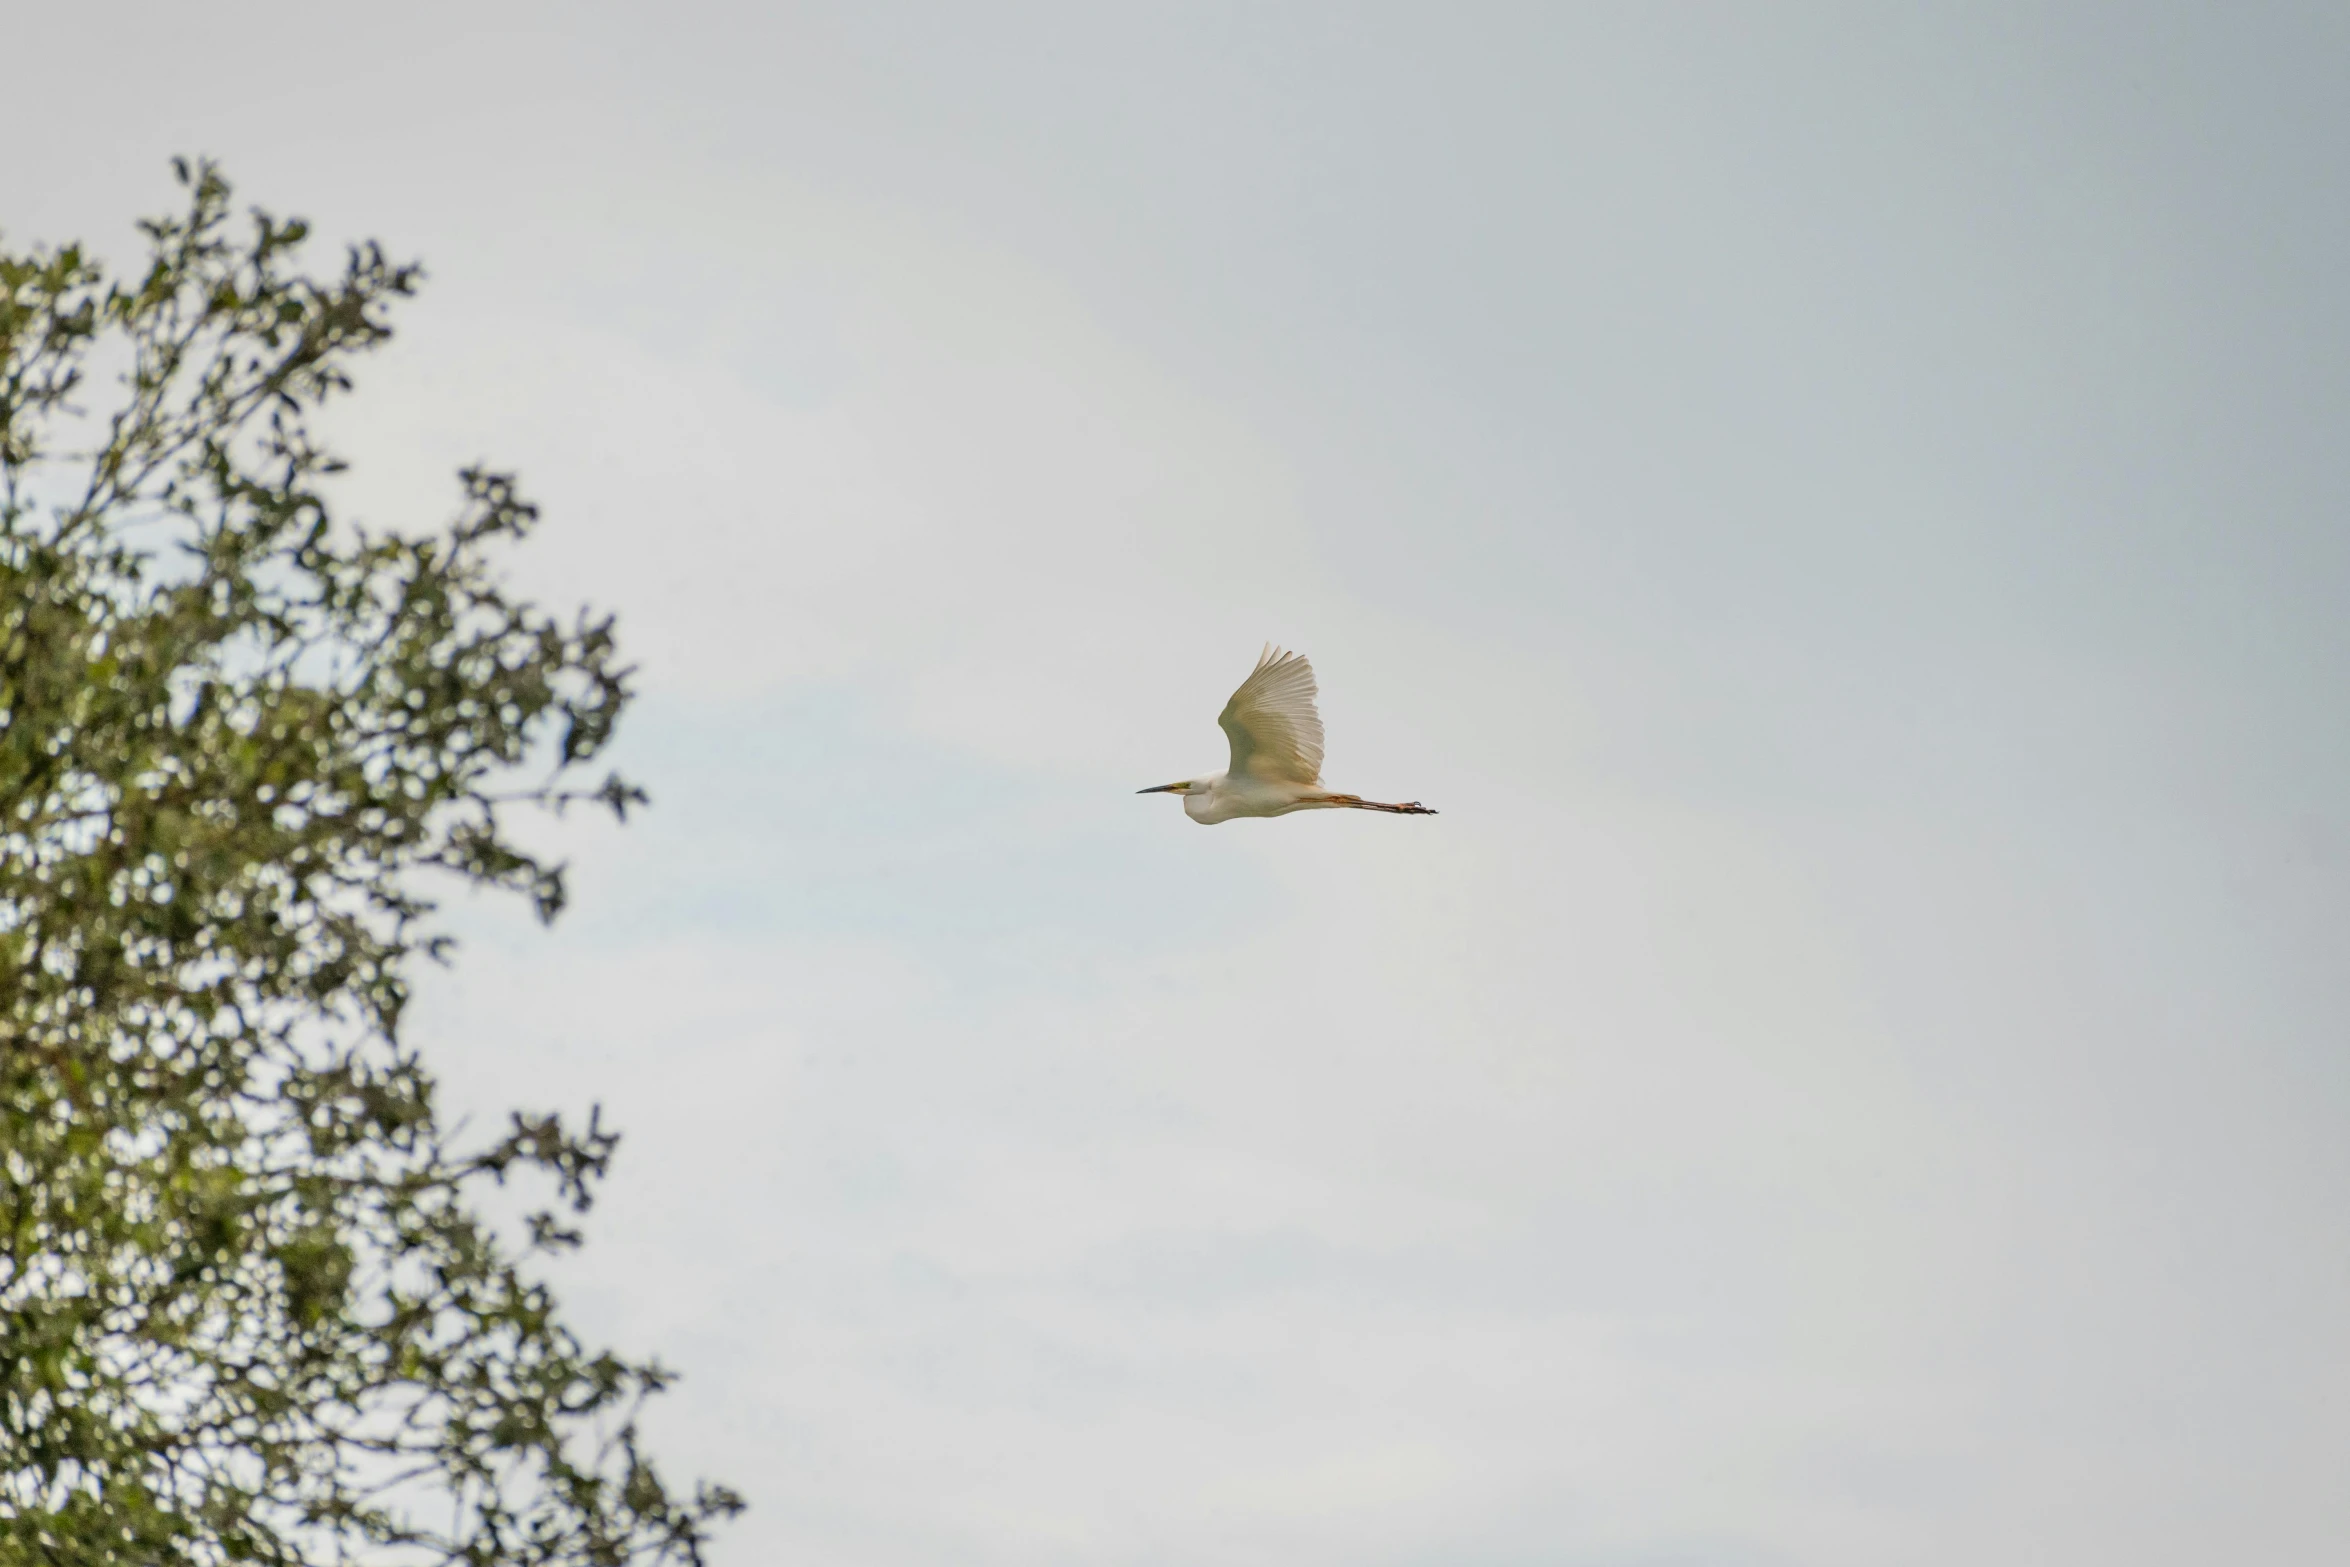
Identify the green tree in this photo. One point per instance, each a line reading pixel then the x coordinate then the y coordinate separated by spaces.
pixel 250 1308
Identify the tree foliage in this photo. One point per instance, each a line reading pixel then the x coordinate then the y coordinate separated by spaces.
pixel 250 1309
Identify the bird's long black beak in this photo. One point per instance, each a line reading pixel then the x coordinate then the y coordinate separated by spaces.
pixel 1174 788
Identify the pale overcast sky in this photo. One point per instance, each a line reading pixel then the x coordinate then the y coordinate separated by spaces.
pixel 1842 508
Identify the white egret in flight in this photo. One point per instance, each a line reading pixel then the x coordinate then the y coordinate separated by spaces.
pixel 1276 752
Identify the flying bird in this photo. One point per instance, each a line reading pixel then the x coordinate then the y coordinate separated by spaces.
pixel 1276 752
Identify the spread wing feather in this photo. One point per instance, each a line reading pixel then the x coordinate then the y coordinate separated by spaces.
pixel 1276 735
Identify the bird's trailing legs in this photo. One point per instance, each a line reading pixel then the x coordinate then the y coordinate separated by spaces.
pixel 1357 803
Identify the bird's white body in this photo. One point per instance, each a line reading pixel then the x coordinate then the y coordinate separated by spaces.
pixel 1276 740
pixel 1221 798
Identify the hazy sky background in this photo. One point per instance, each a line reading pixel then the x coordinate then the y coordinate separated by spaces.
pixel 1842 508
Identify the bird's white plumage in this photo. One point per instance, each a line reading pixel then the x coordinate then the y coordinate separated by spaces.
pixel 1276 752
pixel 1276 735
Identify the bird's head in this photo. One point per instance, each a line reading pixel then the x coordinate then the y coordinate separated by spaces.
pixel 1185 787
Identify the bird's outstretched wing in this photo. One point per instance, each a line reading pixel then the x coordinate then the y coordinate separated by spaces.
pixel 1276 735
